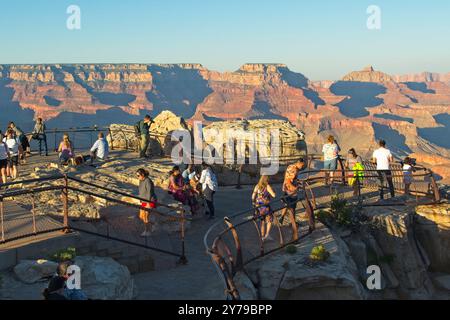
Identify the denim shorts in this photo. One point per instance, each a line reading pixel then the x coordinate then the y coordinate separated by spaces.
pixel 330 164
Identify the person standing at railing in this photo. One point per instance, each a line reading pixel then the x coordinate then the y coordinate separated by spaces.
pixel 142 130
pixel 354 164
pixel 40 135
pixel 15 150
pixel 146 192
pixel 210 185
pixel 383 158
pixel 290 191
pixel 330 152
pixel 408 171
pixel 4 156
pixel 262 195
pixel 22 138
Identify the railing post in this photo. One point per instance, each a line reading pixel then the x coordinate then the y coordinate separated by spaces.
pixel 33 212
pixel 238 186
pixel 437 194
pixel 183 259
pixel 359 187
pixel 66 205
pixel 56 148
pixel 112 139
pixel 2 219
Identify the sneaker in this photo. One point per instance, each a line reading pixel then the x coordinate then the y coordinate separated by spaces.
pixel 268 239
pixel 145 234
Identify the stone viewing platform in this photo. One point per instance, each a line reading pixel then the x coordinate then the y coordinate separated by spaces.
pixel 405 237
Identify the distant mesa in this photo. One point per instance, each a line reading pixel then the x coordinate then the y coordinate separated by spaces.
pixel 368 74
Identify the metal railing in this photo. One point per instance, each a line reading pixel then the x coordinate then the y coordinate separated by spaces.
pixel 67 185
pixel 235 242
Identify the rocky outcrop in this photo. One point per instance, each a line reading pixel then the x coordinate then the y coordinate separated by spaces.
pixel 29 271
pixel 368 74
pixel 105 279
pixel 254 137
pixel 393 230
pixel 403 109
pixel 433 232
pixel 124 136
pixel 293 276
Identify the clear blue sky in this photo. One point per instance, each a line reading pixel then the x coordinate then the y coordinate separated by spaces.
pixel 323 39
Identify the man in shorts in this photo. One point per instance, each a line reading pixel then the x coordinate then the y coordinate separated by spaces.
pixel 290 191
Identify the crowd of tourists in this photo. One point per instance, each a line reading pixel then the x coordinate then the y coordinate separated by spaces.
pixel 15 149
pixel 382 157
pixel 196 186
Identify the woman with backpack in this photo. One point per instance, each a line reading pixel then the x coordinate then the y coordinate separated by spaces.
pixel 209 184
pixel 261 197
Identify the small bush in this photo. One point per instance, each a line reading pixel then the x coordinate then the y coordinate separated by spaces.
pixel 322 215
pixel 319 253
pixel 64 255
pixel 341 211
pixel 291 249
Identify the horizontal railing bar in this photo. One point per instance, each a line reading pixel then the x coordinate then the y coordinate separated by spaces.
pixel 125 241
pixel 114 191
pixel 33 234
pixel 127 203
pixel 29 191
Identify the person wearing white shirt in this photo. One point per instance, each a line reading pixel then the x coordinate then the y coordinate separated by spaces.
pixel 4 156
pixel 100 149
pixel 209 184
pixel 383 158
pixel 15 150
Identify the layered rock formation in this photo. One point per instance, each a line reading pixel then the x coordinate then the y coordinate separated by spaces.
pixel 410 112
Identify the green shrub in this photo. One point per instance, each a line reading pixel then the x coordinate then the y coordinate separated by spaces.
pixel 341 211
pixel 319 253
pixel 322 215
pixel 64 255
pixel 291 249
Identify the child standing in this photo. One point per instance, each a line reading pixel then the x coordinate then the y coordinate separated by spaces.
pixel 408 170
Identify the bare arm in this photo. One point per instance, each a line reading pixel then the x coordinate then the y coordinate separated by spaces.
pixel 271 192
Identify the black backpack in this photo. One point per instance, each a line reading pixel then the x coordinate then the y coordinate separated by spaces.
pixel 137 129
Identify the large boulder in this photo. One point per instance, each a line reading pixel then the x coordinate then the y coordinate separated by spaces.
pixel 394 232
pixel 292 141
pixel 293 276
pixel 32 271
pixel 105 279
pixel 123 136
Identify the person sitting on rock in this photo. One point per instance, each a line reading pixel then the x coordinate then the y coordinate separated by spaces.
pixel 69 294
pixel 65 150
pixel 55 289
pixel 146 192
pixel 180 191
pixel 100 149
